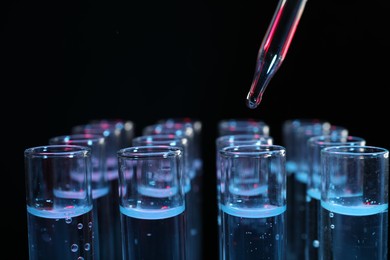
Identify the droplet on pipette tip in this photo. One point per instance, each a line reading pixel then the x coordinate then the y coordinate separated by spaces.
pixel 253 102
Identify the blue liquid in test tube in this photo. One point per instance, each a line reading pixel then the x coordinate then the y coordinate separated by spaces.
pixel 254 233
pixel 56 236
pixel 161 229
pixel 357 233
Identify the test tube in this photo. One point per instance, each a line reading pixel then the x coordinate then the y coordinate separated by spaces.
pixel 123 129
pixel 354 202
pixel 274 47
pixel 253 201
pixel 59 202
pixel 222 142
pixel 152 202
pixel 313 192
pixel 235 126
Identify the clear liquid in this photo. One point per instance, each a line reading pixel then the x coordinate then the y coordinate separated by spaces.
pixel 105 218
pixel 313 206
pixel 354 234
pixel 290 216
pixel 115 219
pixel 254 234
pixel 153 234
pixel 112 168
pixel 55 236
pixel 299 222
pixel 194 219
pixel 274 47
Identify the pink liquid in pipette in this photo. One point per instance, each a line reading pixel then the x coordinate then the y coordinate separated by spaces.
pixel 274 47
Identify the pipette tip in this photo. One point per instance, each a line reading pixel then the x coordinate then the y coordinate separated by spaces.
pixel 253 102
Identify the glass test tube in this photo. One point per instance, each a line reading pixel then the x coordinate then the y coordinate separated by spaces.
pixel 253 201
pixel 59 202
pixel 354 202
pixel 313 197
pixel 152 202
pixel 222 142
pixel 123 129
pixel 242 126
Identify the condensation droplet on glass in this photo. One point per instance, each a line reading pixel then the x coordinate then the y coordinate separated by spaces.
pixel 80 258
pixel 149 234
pixel 332 226
pixel 316 243
pixel 74 247
pixel 80 226
pixel 87 246
pixel 90 224
pixel 277 236
pixel 331 215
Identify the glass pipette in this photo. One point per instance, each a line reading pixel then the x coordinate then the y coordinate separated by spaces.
pixel 274 47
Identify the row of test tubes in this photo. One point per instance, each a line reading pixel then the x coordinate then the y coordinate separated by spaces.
pixel 100 192
pixel 322 195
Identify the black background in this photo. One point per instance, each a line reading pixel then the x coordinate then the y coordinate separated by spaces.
pixel 67 62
